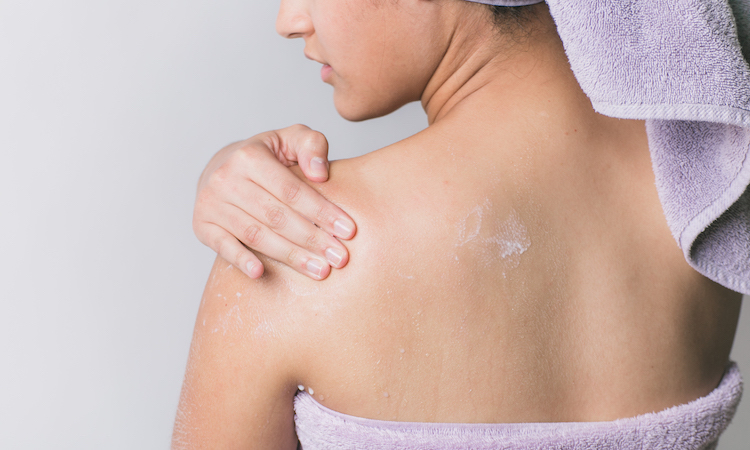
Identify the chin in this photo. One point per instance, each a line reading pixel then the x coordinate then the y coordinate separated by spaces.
pixel 357 111
pixel 355 117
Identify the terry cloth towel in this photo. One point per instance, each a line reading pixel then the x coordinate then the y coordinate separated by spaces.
pixel 679 65
pixel 695 425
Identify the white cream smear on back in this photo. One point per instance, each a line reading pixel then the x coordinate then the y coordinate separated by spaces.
pixel 495 240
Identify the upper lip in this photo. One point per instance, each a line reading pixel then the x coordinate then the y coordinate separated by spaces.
pixel 308 56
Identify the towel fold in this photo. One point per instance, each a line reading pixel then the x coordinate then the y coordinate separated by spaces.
pixel 679 65
pixel 507 2
pixel 692 426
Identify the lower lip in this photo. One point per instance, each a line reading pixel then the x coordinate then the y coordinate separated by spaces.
pixel 325 72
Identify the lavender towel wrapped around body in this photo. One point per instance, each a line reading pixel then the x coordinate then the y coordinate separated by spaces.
pixel 692 426
pixel 679 65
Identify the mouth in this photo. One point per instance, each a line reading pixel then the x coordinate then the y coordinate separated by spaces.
pixel 325 71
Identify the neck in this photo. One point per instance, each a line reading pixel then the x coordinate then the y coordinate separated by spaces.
pixel 479 64
pixel 524 108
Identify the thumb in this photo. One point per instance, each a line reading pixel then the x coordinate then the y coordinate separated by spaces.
pixel 311 148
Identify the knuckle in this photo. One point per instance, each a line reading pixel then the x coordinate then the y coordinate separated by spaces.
pixel 249 152
pixel 252 235
pixel 312 241
pixel 246 156
pixel 276 216
pixel 323 215
pixel 316 140
pixel 220 246
pixel 238 257
pixel 292 256
pixel 221 176
pixel 291 191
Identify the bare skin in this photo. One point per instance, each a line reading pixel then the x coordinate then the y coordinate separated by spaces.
pixel 531 276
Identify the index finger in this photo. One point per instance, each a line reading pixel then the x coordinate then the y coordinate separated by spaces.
pixel 308 202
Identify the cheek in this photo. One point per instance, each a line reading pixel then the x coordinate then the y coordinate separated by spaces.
pixel 379 60
pixel 378 79
pixel 367 98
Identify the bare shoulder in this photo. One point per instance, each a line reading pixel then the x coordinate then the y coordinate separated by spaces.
pixel 255 341
pixel 242 310
pixel 239 384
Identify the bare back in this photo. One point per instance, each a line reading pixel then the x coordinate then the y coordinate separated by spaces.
pixel 512 262
pixel 516 288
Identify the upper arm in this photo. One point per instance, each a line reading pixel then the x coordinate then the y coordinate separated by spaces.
pixel 239 389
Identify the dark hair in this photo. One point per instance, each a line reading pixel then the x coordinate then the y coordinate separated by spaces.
pixel 512 20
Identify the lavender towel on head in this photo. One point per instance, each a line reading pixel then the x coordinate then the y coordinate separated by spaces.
pixel 695 425
pixel 679 65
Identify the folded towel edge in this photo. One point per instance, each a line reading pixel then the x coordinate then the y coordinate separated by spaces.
pixel 702 220
pixel 729 115
pixel 709 215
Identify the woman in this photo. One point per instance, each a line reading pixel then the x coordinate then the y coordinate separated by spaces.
pixel 511 262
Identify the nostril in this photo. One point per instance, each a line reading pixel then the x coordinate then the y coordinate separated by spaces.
pixel 287 31
pixel 293 24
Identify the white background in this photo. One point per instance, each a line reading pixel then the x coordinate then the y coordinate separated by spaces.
pixel 108 112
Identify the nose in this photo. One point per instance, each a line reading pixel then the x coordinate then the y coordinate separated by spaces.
pixel 293 20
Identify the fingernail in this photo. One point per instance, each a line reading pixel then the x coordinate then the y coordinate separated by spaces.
pixel 315 267
pixel 250 266
pixel 334 256
pixel 319 167
pixel 342 228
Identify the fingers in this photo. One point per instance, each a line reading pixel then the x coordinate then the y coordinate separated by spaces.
pixel 229 248
pixel 249 215
pixel 292 191
pixel 249 201
pixel 297 195
pixel 256 235
pixel 280 220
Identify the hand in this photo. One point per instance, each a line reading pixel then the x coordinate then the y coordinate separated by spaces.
pixel 247 196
